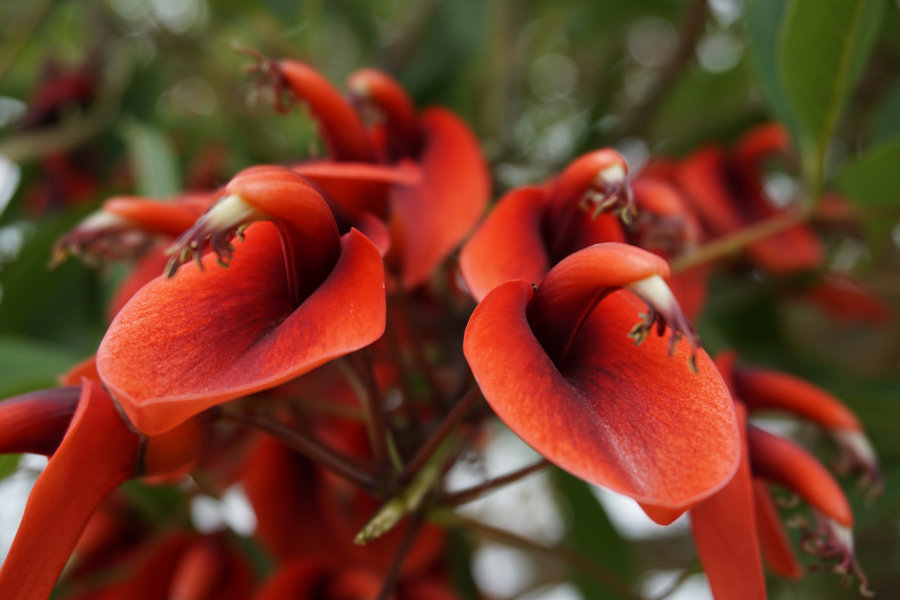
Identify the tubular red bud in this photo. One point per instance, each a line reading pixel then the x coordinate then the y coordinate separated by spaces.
pixel 37 422
pixel 785 463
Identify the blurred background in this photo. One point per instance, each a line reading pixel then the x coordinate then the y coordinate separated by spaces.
pixel 105 97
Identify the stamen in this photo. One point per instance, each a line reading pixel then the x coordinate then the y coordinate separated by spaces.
pixel 831 541
pixel 270 83
pixel 858 456
pixel 225 220
pixel 102 237
pixel 663 311
pixel 610 192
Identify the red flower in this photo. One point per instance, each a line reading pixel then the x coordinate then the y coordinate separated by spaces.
pixel 556 365
pixel 533 228
pixel 98 451
pixel 734 525
pixel 295 296
pixel 727 193
pixel 430 219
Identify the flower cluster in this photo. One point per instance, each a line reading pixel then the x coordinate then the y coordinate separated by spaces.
pixel 308 332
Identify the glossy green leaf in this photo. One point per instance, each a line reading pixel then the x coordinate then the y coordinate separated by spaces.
pixel 874 180
pixel 28 364
pixel 592 535
pixel 152 157
pixel 823 46
pixel 763 19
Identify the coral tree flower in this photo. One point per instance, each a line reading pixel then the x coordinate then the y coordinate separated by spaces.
pixel 533 228
pixel 430 219
pixel 667 226
pixel 97 451
pixel 733 527
pixel 727 193
pixel 294 296
pixel 556 365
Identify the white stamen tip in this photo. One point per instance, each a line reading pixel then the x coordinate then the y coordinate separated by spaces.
pixel 654 291
pixel 611 175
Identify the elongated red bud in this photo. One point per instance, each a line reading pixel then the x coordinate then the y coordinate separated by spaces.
pixel 765 389
pixel 785 463
pixel 36 422
pixel 199 572
pixel 773 540
pixel 376 90
pixel 99 452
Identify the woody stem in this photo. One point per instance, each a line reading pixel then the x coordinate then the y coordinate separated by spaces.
pixel 373 407
pixel 734 242
pixel 475 492
pixel 444 429
pixel 308 446
pixel 393 574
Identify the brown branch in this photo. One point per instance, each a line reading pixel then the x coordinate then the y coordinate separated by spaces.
pixel 443 430
pixel 596 571
pixel 373 407
pixel 688 36
pixel 393 574
pixel 308 446
pixel 736 241
pixel 475 492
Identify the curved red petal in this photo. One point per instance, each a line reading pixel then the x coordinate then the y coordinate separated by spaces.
pixel 98 453
pixel 724 528
pixel 200 339
pixel 795 249
pixel 37 422
pixel 701 177
pixel 359 187
pixel 783 462
pixel 146 270
pixel 164 218
pixel 375 229
pixel 766 389
pixel 298 579
pixel 846 301
pixel 341 127
pixel 624 417
pixel 280 485
pixel 571 290
pixel 508 245
pixel 436 215
pixel 392 101
pixel 773 540
pixel 151 570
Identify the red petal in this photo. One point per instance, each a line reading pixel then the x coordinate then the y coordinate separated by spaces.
pixel 435 216
pixel 572 289
pixel 299 579
pixel 785 463
pixel 200 339
pixel 724 527
pixel 628 418
pixel 766 389
pixel 392 101
pixel 280 484
pixel 846 301
pixel 341 127
pixel 508 245
pixel 159 217
pixel 37 422
pixel 98 453
pixel 151 571
pixel 374 228
pixel 359 187
pixel 146 270
pixel 776 547
pixel 792 250
pixel 701 177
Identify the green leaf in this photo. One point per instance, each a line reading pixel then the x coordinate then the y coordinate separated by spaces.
pixel 822 49
pixel 27 365
pixel 153 159
pixel 763 18
pixel 874 180
pixel 8 464
pixel 592 535
pixel 886 120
